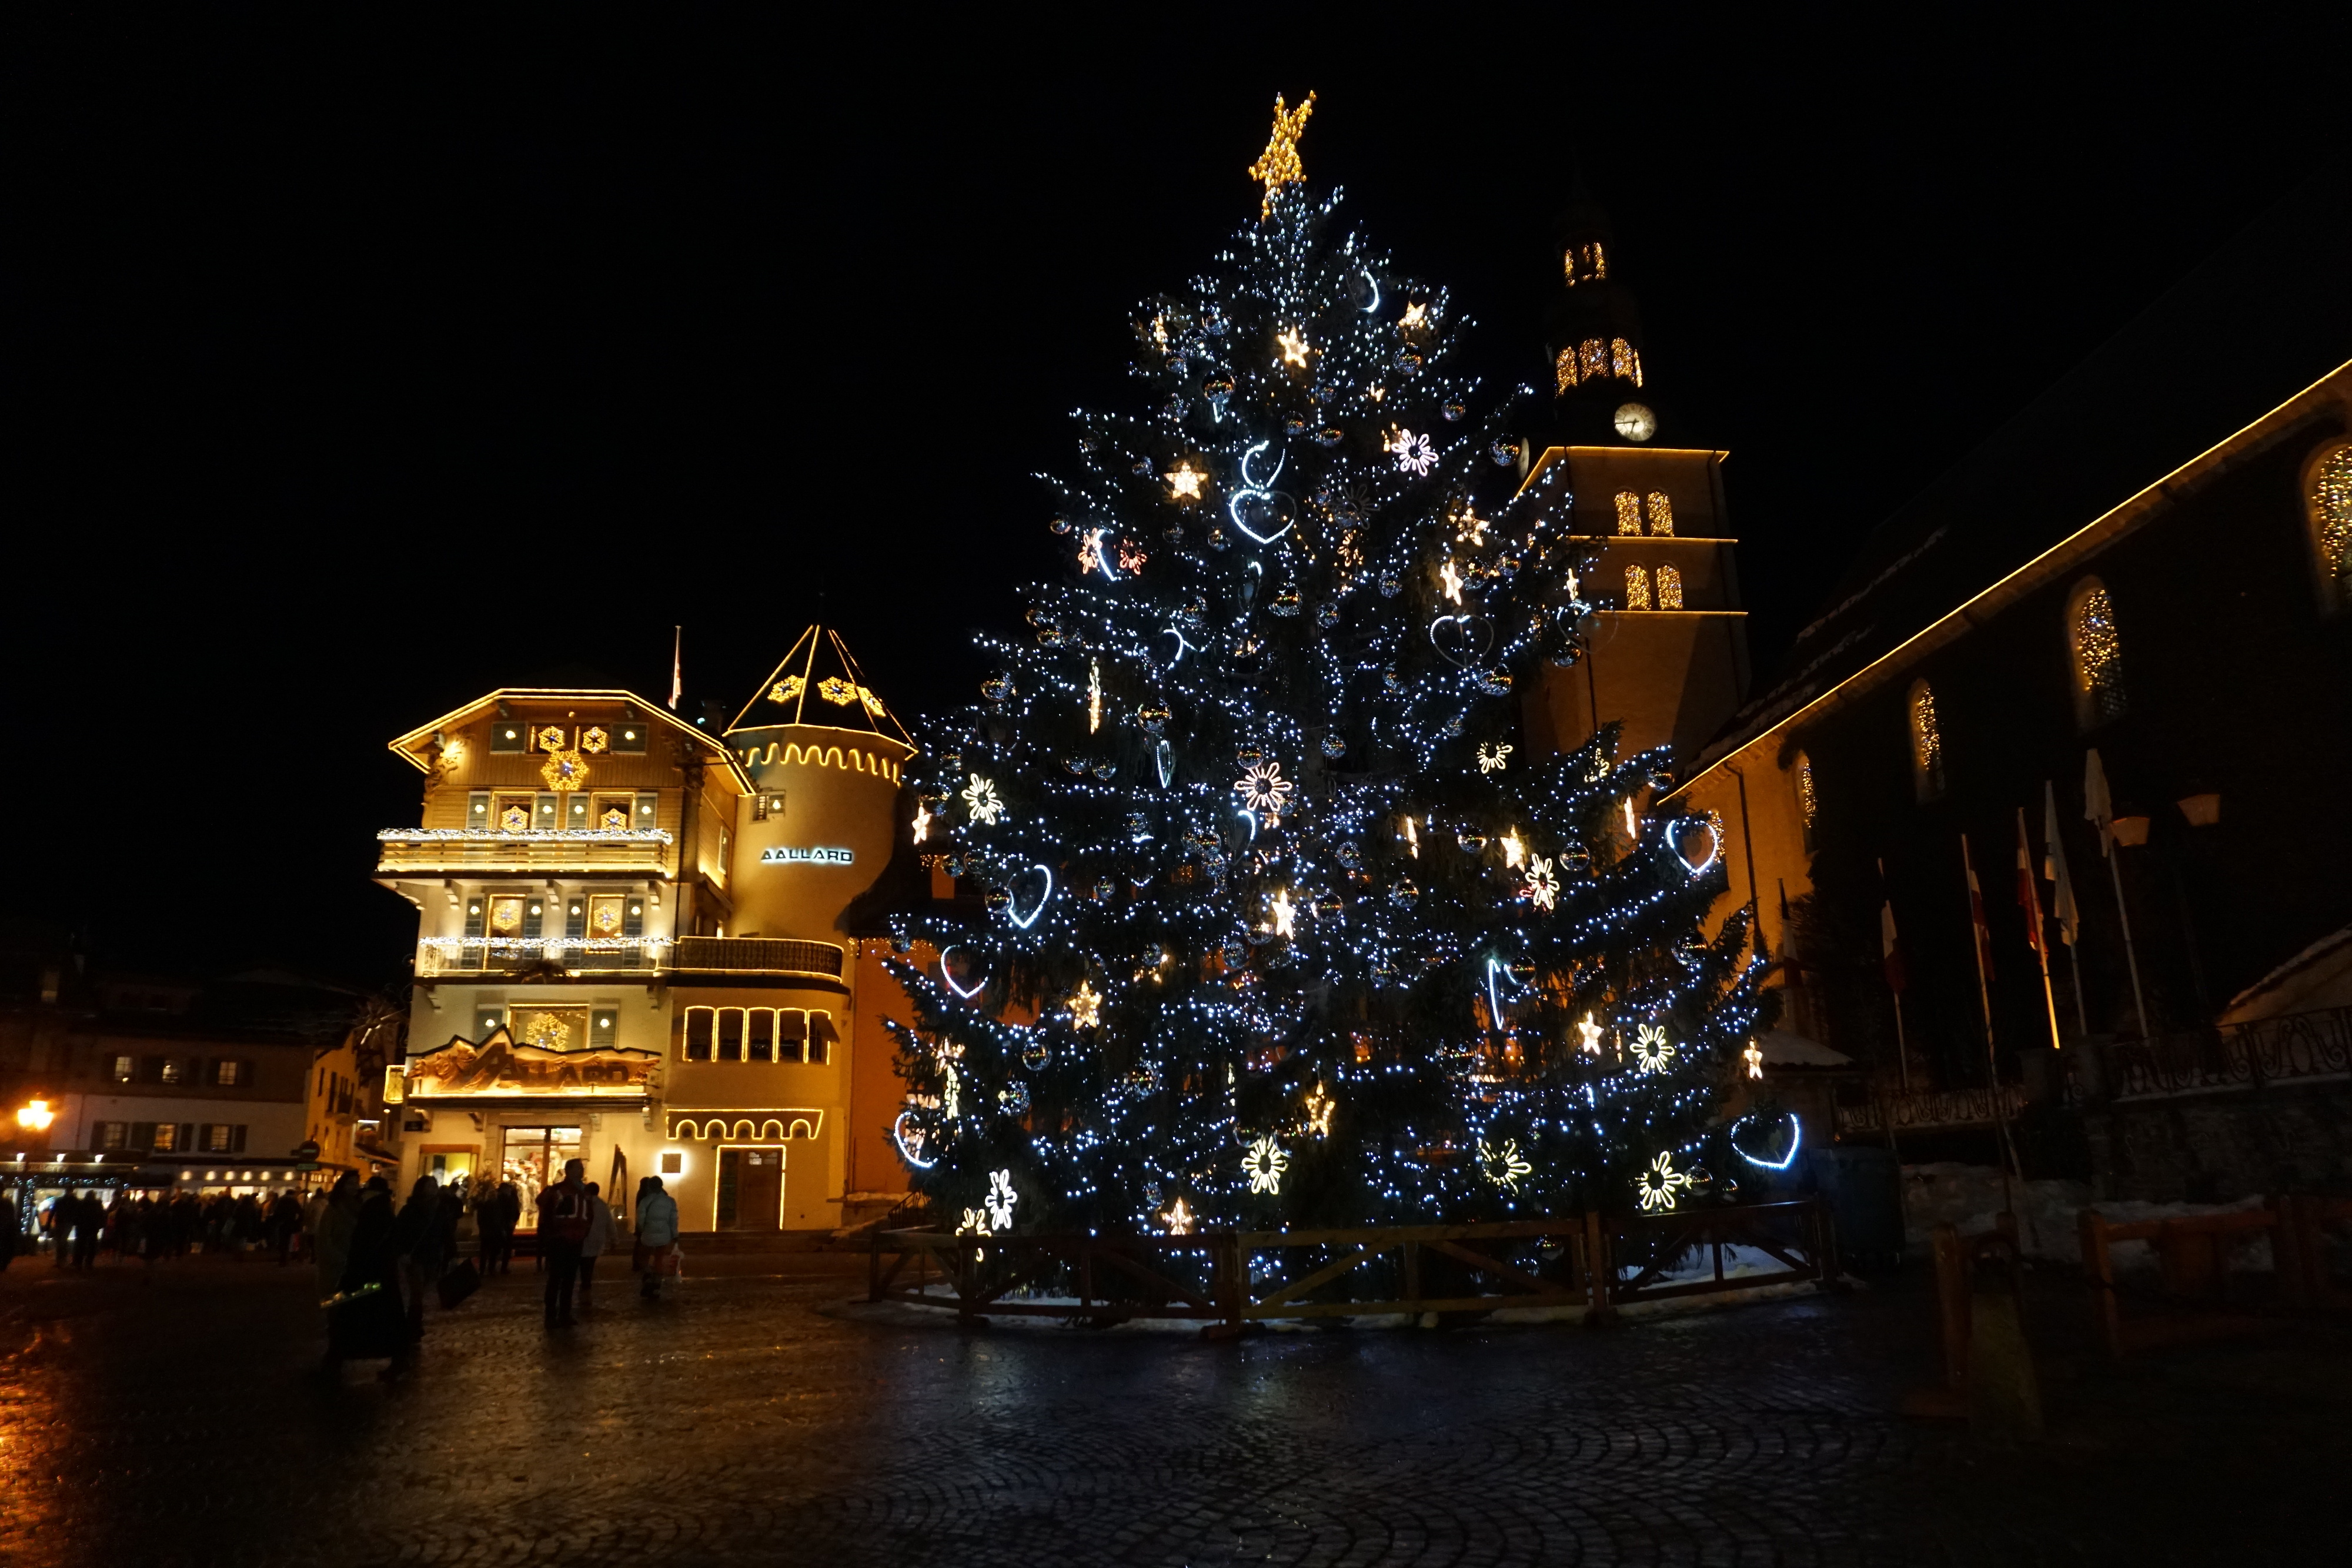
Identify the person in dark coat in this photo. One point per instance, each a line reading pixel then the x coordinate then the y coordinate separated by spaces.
pixel 368 1325
pixel 285 1224
pixel 87 1231
pixel 12 1221
pixel 423 1239
pixel 499 1215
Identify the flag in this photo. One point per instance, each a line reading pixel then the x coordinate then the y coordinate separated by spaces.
pixel 2029 897
pixel 676 668
pixel 2062 907
pixel 1981 932
pixel 2098 805
pixel 1890 945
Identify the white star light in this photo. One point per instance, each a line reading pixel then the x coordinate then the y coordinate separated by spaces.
pixel 1178 1218
pixel 1414 316
pixel 1452 580
pixel 1515 849
pixel 1294 346
pixel 1184 482
pixel 1086 1008
pixel 1284 913
pixel 980 796
pixel 922 824
pixel 1591 1033
pixel 1264 1164
pixel 1543 885
pixel 1414 452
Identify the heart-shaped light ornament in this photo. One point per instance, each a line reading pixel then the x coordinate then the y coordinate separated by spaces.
pixel 1255 501
pixel 1462 640
pixel 1020 886
pixel 948 975
pixel 1678 830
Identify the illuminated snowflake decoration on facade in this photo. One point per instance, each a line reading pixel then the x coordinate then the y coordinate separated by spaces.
pixel 1505 1165
pixel 1661 1187
pixel 1652 1051
pixel 1543 883
pixel 1414 453
pixel 1001 1200
pixel 1264 1164
pixel 980 796
pixel 1263 789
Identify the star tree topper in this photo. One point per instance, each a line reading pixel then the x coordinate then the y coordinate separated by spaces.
pixel 1278 165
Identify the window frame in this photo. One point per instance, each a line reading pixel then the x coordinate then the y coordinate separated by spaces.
pixel 2095 706
pixel 1930 776
pixel 2334 586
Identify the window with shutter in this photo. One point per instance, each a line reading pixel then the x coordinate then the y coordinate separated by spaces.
pixel 142 1135
pixel 236 1139
pixel 792 1034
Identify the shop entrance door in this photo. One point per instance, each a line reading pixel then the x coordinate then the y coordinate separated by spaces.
pixel 751 1190
pixel 533 1160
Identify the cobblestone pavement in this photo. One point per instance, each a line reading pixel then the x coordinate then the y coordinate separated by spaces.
pixel 176 1418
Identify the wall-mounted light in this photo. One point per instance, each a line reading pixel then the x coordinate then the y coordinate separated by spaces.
pixel 35 1116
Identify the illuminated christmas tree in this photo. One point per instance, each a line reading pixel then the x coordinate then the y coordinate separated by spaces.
pixel 1286 920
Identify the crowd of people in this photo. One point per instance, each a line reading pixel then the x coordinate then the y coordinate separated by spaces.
pixel 376 1263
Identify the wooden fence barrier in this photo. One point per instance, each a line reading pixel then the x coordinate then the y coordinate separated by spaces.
pixel 1229 1278
pixel 2192 1268
pixel 2305 1277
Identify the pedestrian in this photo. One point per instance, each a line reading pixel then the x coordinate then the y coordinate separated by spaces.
pixel 421 1241
pixel 656 1236
pixel 87 1229
pixel 367 1323
pixel 500 1213
pixel 285 1221
pixel 314 1213
pixel 58 1220
pixel 594 1245
pixel 562 1228
pixel 331 1241
pixel 12 1219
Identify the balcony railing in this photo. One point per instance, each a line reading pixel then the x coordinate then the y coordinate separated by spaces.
pixel 445 957
pixel 1929 1108
pixel 536 849
pixel 2236 1056
pixel 755 954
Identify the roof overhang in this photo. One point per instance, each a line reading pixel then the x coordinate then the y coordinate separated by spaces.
pixel 410 746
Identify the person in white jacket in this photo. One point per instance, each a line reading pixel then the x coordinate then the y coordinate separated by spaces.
pixel 656 1236
pixel 600 1229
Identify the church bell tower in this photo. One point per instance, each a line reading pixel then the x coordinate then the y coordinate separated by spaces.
pixel 1667 653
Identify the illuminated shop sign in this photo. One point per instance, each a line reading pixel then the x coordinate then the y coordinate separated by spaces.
pixel 785 854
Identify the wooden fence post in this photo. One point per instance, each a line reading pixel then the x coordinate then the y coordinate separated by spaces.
pixel 1952 1305
pixel 2290 1253
pixel 1598 1271
pixel 2098 1271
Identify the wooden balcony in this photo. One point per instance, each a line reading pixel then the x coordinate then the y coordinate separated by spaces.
pixel 455 851
pixel 706 960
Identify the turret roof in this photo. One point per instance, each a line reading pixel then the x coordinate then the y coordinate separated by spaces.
pixel 818 682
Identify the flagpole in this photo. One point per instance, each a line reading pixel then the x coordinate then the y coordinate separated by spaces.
pixel 1976 934
pixel 2100 809
pixel 2069 913
pixel 2039 937
pixel 1902 1050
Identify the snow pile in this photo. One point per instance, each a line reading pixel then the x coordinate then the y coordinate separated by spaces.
pixel 2049 1215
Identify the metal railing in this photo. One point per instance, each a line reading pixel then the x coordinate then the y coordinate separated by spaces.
pixel 2236 1056
pixel 1229 1278
pixel 478 956
pixel 455 849
pixel 1927 1108
pixel 755 954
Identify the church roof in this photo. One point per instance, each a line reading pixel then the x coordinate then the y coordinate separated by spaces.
pixel 818 682
pixel 2263 320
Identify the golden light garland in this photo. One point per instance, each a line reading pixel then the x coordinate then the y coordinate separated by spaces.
pixel 1278 165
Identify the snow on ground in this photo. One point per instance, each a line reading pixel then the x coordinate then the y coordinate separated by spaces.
pixel 2049 1222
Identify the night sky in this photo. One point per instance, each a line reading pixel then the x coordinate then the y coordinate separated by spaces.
pixel 350 374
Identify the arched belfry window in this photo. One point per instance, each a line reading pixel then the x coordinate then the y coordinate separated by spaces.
pixel 1926 741
pixel 1662 514
pixel 2099 654
pixel 2329 497
pixel 1809 805
pixel 1565 368
pixel 1637 588
pixel 1629 513
pixel 1670 589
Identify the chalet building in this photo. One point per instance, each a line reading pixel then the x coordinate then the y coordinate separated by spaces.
pixel 655 945
pixel 2152 561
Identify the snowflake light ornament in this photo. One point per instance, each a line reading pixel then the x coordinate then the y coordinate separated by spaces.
pixel 1652 1050
pixel 1660 1186
pixel 1090 553
pixel 1263 789
pixel 1505 1165
pixel 1264 1164
pixel 1543 885
pixel 980 796
pixel 1001 1200
pixel 974 1223
pixel 1414 453
pixel 1493 756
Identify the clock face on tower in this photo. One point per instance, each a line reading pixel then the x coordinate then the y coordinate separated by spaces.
pixel 1636 421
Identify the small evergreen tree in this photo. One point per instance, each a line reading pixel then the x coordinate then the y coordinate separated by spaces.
pixel 1287 917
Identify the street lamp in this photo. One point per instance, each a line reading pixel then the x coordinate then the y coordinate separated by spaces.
pixel 35 1116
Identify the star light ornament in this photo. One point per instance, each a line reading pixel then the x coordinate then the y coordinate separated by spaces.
pixel 1515 851
pixel 1414 316
pixel 1754 1057
pixel 1086 1008
pixel 1652 1051
pixel 1493 755
pixel 1001 1200
pixel 1414 453
pixel 1264 1164
pixel 1450 583
pixel 1284 913
pixel 980 796
pixel 1505 1165
pixel 1184 482
pixel 1543 885
pixel 1178 1218
pixel 1278 165
pixel 922 822
pixel 1265 791
pixel 1294 346
pixel 1591 1033
pixel 1660 1186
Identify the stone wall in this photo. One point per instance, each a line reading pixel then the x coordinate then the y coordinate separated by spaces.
pixel 2215 1147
